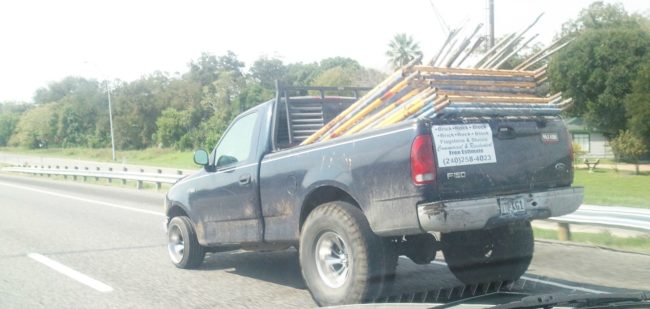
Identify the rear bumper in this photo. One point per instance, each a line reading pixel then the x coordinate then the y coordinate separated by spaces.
pixel 474 214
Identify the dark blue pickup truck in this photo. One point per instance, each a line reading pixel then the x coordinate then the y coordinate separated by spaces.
pixel 466 185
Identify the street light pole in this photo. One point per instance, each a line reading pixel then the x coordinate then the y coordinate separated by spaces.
pixel 110 119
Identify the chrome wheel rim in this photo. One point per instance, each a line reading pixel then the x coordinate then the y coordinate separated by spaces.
pixel 333 259
pixel 175 244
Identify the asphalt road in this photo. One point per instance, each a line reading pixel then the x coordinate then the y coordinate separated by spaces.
pixel 71 245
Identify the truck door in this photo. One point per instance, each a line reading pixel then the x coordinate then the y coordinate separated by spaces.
pixel 227 201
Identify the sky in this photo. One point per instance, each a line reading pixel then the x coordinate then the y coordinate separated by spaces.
pixel 45 41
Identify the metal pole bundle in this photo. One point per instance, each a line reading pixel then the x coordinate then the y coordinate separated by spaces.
pixel 442 87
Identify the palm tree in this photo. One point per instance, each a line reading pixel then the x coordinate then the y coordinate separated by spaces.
pixel 402 49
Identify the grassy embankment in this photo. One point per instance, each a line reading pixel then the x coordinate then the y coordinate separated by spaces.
pixel 152 156
pixel 603 239
pixel 608 187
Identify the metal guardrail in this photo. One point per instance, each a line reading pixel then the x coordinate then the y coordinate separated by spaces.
pixel 85 172
pixel 628 218
pixel 607 216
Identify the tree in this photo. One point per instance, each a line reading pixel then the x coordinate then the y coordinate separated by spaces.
pixel 599 15
pixel 344 62
pixel 36 127
pixel 207 68
pixel 266 71
pixel 637 103
pixel 301 74
pixel 629 146
pixel 402 49
pixel 598 67
pixel 335 77
pixel 172 126
pixel 8 124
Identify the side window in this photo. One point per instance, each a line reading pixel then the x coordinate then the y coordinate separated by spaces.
pixel 235 146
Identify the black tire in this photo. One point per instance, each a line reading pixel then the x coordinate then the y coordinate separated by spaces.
pixel 192 253
pixel 499 254
pixel 340 229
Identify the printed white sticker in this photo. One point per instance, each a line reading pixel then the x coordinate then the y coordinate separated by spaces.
pixel 464 144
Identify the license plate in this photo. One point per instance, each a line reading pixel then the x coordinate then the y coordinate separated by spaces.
pixel 511 206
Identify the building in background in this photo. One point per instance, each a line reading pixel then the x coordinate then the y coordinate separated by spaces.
pixel 591 141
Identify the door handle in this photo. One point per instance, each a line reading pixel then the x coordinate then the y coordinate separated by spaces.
pixel 244 179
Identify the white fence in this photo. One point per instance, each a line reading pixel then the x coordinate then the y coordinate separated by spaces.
pixel 608 216
pixel 108 173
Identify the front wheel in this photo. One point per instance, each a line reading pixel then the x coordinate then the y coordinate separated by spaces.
pixel 182 245
pixel 499 254
pixel 340 257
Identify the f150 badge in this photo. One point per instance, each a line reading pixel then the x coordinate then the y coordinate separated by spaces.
pixel 456 175
pixel 550 137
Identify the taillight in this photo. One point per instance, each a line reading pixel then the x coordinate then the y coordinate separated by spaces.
pixel 423 169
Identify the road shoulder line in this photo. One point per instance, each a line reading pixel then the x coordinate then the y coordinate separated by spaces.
pixel 81 199
pixel 73 274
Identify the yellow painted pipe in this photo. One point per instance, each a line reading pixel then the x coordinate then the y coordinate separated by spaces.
pixel 383 112
pixel 312 138
pixel 411 109
pixel 371 107
pixel 392 110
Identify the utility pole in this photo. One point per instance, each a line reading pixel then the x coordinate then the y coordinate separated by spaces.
pixel 490 23
pixel 110 108
pixel 110 119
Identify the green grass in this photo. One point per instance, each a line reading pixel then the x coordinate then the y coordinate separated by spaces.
pixel 638 244
pixel 607 187
pixel 152 156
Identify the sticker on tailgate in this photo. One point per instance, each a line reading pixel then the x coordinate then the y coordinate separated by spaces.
pixel 464 144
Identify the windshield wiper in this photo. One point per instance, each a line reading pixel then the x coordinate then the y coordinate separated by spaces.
pixel 579 300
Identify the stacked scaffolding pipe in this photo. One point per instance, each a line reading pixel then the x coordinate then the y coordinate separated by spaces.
pixel 443 88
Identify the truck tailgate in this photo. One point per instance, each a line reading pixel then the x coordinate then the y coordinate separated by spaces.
pixel 500 155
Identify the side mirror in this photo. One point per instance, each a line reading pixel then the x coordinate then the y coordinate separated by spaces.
pixel 201 157
pixel 226 160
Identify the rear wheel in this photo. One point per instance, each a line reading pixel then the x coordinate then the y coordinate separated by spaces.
pixel 340 257
pixel 499 254
pixel 183 247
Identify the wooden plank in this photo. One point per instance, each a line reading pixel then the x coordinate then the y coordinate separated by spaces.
pixel 437 82
pixel 493 99
pixel 422 68
pixel 503 78
pixel 487 93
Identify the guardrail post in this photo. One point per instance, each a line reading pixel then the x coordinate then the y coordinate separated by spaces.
pixel 49 167
pixel 158 185
pixel 86 171
pixel 74 177
pixel 110 170
pixel 42 168
pixel 179 172
pixel 97 169
pixel 65 176
pixel 138 184
pixel 563 231
pixel 124 170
